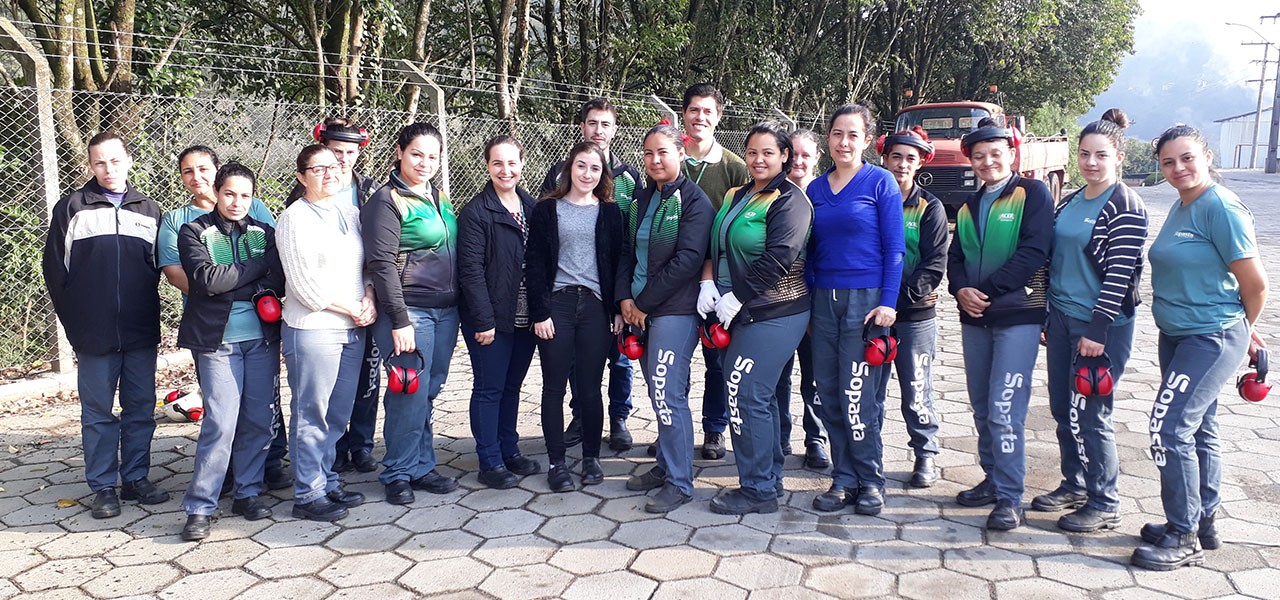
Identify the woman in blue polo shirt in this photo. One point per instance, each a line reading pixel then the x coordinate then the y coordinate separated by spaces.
pixel 1207 290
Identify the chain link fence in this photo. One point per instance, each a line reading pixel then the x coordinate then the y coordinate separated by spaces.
pixel 263 134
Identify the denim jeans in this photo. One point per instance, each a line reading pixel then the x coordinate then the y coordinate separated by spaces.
pixel 917 341
pixel 1086 436
pixel 238 382
pixel 666 363
pixel 116 449
pixel 323 368
pixel 813 432
pixel 579 347
pixel 498 371
pixel 406 427
pixel 847 386
pixel 364 413
pixel 998 362
pixel 752 363
pixel 1184 421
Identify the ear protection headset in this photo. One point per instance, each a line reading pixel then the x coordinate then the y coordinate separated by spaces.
pixel 321 134
pixel 1253 386
pixel 908 138
pixel 183 406
pixel 404 380
pixel 881 349
pixel 988 133
pixel 713 334
pixel 268 306
pixel 1093 375
pixel 631 342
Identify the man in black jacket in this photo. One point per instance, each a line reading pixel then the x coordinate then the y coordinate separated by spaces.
pixel 100 269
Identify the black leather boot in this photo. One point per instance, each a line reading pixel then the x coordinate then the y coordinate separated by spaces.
pixel 1171 552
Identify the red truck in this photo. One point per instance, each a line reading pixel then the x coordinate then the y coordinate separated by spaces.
pixel 949 175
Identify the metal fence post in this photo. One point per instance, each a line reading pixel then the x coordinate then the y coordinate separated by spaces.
pixel 786 120
pixel 37 71
pixel 436 97
pixel 664 110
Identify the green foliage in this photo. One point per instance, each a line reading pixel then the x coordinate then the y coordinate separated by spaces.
pixel 1050 119
pixel 1139 158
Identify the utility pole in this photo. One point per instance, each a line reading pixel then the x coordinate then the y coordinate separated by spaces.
pixel 1257 113
pixel 1274 135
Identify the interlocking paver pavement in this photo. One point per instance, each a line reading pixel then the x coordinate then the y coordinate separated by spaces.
pixel 597 542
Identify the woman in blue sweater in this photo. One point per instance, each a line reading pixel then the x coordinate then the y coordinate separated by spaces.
pixel 855 267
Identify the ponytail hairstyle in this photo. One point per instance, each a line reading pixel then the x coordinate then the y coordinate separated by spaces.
pixel 199 149
pixel 806 134
pixel 603 190
pixel 1111 126
pixel 1180 131
pixel 235 169
pixel 677 139
pixel 862 108
pixel 499 140
pixel 414 131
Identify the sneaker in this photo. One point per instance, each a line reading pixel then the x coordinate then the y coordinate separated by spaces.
pixel 815 456
pixel 363 461
pixel 1057 500
pixel 734 502
pixel 619 436
pixel 522 465
pixel 592 474
pixel 649 480
pixel 833 499
pixel 870 501
pixel 251 508
pixel 105 504
pixel 1006 516
pixel 1087 519
pixel 559 479
pixel 345 498
pixel 573 433
pixel 320 509
pixel 1169 553
pixel 197 528
pixel 923 474
pixel 499 478
pixel 434 483
pixel 979 495
pixel 667 499
pixel 713 445
pixel 143 491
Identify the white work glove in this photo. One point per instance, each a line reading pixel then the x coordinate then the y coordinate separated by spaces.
pixel 708 295
pixel 727 308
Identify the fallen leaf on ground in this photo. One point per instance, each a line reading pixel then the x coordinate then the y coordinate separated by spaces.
pixel 66 503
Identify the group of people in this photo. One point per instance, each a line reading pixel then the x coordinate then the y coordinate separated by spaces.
pixel 755 258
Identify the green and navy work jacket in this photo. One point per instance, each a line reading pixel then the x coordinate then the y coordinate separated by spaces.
pixel 226 262
pixel 1007 257
pixel 764 243
pixel 924 222
pixel 678 236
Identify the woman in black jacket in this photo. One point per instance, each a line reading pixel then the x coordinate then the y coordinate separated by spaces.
pixel 668 225
pixel 575 239
pixel 492 230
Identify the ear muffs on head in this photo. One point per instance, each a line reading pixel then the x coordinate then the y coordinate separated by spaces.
pixel 321 134
pixel 1253 386
pixel 880 349
pixel 988 133
pixel 631 341
pixel 1093 375
pixel 713 334
pixel 404 380
pixel 885 143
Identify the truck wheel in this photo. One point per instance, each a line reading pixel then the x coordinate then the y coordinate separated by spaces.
pixel 1055 187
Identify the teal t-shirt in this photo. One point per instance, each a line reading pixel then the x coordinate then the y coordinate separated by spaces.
pixel 167 238
pixel 1074 285
pixel 643 231
pixel 1193 290
pixel 985 203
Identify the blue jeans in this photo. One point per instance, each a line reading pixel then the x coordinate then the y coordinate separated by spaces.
pixel 364 413
pixel 917 341
pixel 998 362
pixel 813 432
pixel 666 364
pixel 407 423
pixel 847 386
pixel 621 371
pixel 1184 421
pixel 752 363
pixel 116 449
pixel 1086 436
pixel 498 371
pixel 323 367
pixel 238 382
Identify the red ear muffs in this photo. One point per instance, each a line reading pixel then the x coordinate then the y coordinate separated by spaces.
pixel 268 306
pixel 404 380
pixel 1253 385
pixel 880 145
pixel 713 334
pixel 318 132
pixel 1016 139
pixel 1093 375
pixel 883 144
pixel 365 135
pixel 881 349
pixel 988 133
pixel 631 342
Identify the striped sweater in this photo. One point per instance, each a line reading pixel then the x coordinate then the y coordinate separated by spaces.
pixel 1115 250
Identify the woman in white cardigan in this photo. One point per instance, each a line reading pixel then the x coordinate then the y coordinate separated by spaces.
pixel 326 308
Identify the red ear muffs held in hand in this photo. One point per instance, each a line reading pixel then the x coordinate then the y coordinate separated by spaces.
pixel 713 334
pixel 1253 385
pixel 267 303
pixel 404 380
pixel 881 349
pixel 1093 375
pixel 631 342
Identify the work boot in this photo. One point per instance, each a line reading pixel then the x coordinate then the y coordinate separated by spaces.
pixel 1171 552
pixel 320 509
pixel 435 483
pixel 105 504
pixel 979 495
pixel 815 456
pixel 522 465
pixel 652 479
pixel 619 437
pixel 734 502
pixel 251 508
pixel 833 499
pixel 345 498
pixel 559 479
pixel 197 528
pixel 667 499
pixel 1208 533
pixel 713 445
pixel 592 474
pixel 500 478
pixel 363 461
pixel 342 463
pixel 277 478
pixel 143 491
pixel 1006 516
pixel 1057 500
pixel 870 501
pixel 1088 519
pixel 923 474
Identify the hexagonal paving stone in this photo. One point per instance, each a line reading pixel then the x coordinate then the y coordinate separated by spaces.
pixel 652 534
pixel 843 581
pixel 381 591
pixel 1257 582
pixel 558 505
pixel 373 512
pixel 787 520
pixel 527 582
pixel 7 590
pixel 13 562
pixel 681 562
pixel 704 587
pixel 130 581
pixel 70 572
pixel 213 556
pixel 942 533
pixel 39 514
pixel 759 571
pixel 378 538
pixel 992 564
pixel 625 510
pixel 727 540
pixel 26 538
pixel 296 533
pixel 592 557
pixel 941 584
pixel 438 544
pixel 82 544
pixel 794 592
pixel 1085 572
pixel 1038 589
pixel 298 588
pixel 438 518
pixel 214 585
pixel 1187 582
pixel 279 563
pixel 365 569
pixel 500 523
pixel 1030 541
pixel 858 529
pixel 577 528
pixel 148 550
pixel 488 499
pixel 615 586
pixel 445 575
pixel 515 550
pixel 898 557
pixel 811 548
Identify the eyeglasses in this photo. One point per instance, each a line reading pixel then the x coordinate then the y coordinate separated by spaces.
pixel 322 169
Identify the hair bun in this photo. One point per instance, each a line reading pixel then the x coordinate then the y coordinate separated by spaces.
pixel 1118 117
